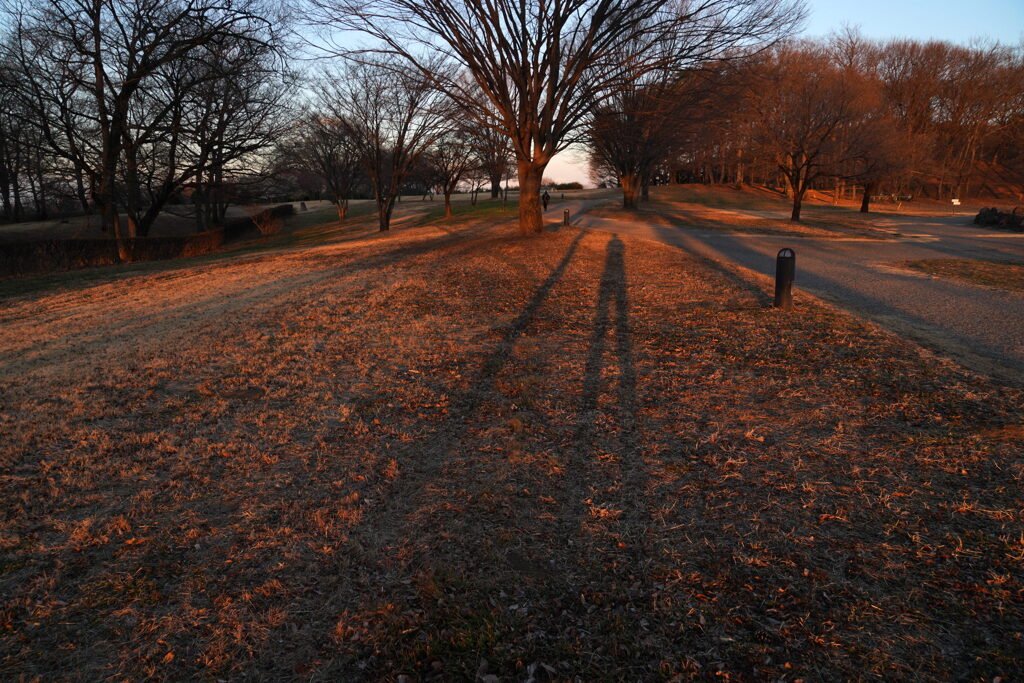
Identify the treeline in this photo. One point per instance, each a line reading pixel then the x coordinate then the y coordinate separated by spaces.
pixel 123 108
pixel 897 117
pixel 119 107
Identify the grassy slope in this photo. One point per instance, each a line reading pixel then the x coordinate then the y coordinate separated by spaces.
pixel 569 455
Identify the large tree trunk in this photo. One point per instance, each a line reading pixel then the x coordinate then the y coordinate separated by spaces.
pixel 630 190
pixel 111 220
pixel 448 204
pixel 495 186
pixel 865 202
pixel 531 218
pixel 83 198
pixel 106 196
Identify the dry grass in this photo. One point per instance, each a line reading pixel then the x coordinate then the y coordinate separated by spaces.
pixel 1008 275
pixel 747 211
pixel 449 453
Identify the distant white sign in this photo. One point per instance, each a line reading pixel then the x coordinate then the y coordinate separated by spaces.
pixel 956 202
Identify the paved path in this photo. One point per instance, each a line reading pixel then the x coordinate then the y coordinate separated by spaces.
pixel 980 327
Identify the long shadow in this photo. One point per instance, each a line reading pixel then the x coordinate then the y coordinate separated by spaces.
pixel 671 236
pixel 422 467
pixel 615 486
pixel 464 406
pixel 612 286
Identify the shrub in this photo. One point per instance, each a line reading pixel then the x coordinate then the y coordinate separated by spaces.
pixel 1007 220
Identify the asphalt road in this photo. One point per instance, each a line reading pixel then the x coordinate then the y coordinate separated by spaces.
pixel 979 327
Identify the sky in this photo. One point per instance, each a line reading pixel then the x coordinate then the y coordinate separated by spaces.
pixel 955 21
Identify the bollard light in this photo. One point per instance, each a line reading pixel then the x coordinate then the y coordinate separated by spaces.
pixel 785 270
pixel 565 217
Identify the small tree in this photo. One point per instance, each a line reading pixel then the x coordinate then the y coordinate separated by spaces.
pixel 392 116
pixel 450 160
pixel 325 145
pixel 814 119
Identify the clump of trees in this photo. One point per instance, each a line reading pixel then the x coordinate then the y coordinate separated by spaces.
pixel 533 73
pixel 125 104
pixel 907 117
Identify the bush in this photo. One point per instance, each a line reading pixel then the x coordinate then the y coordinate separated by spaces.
pixel 1006 220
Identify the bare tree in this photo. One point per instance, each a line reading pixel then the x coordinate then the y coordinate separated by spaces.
pixel 543 66
pixel 102 56
pixel 244 110
pixel 326 146
pixel 450 159
pixel 814 118
pixel 392 116
pixel 639 127
pixel 492 155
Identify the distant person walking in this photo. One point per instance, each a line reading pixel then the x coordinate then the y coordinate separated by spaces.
pixel 545 198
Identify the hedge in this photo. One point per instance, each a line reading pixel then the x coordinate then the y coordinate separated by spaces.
pixel 42 256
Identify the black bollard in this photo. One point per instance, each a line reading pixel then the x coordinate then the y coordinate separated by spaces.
pixel 785 270
pixel 565 217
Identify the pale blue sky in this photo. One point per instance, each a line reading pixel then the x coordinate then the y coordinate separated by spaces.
pixel 957 22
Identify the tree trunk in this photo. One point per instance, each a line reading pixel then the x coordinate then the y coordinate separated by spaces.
pixel 197 203
pixel 447 204
pixel 630 190
pixel 342 206
pixel 110 218
pixel 16 186
pixel 131 183
pixel 787 184
pixel 385 207
pixel 80 188
pixel 495 186
pixel 799 188
pixel 865 202
pixel 531 219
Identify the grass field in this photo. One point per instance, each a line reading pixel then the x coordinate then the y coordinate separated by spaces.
pixel 1008 275
pixel 751 210
pixel 451 453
